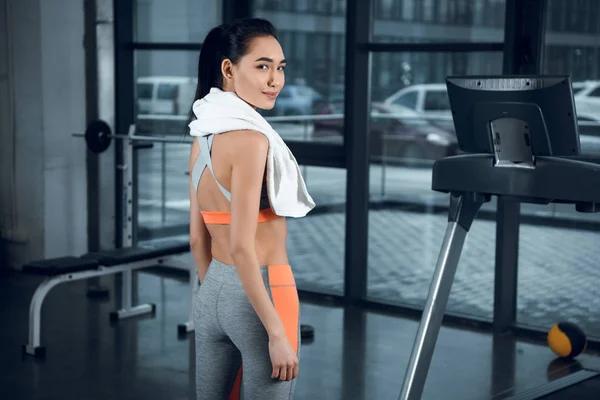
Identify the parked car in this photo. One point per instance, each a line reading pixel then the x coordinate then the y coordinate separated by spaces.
pixel 399 135
pixel 425 98
pixel 431 100
pixel 589 134
pixel 587 97
pixel 170 95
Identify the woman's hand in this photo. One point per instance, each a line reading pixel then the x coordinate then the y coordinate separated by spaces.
pixel 283 358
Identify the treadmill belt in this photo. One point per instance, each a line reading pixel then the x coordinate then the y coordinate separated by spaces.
pixel 583 384
pixel 587 389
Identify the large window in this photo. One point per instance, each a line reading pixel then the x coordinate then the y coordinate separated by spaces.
pixel 310 108
pixel 411 127
pixel 164 86
pixel 312 37
pixel 163 89
pixel 558 274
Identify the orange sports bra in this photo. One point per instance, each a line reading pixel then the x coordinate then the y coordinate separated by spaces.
pixel 224 217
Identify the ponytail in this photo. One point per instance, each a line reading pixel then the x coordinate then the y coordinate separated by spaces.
pixel 209 66
pixel 209 62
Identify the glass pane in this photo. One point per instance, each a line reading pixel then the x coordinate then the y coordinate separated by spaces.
pixel 312 34
pixel 410 128
pixel 316 242
pixel 310 108
pixel 163 196
pixel 572 16
pixel 430 21
pixel 558 274
pixel 175 20
pixel 164 90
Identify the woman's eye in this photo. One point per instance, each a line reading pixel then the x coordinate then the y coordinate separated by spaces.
pixel 281 68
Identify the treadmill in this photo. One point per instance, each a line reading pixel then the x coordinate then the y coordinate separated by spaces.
pixel 520 139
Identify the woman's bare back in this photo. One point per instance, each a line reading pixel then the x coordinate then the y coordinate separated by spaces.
pixel 270 239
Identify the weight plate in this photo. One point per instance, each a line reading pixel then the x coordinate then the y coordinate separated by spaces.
pixel 98 136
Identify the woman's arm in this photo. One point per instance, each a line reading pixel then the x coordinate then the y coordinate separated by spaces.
pixel 250 155
pixel 199 237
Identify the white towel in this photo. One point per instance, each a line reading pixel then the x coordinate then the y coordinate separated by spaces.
pixel 220 112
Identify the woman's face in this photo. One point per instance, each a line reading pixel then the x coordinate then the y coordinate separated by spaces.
pixel 258 77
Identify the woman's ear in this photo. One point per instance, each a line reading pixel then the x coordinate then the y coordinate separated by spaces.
pixel 227 69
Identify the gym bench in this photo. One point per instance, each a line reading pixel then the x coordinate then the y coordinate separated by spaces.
pixel 90 265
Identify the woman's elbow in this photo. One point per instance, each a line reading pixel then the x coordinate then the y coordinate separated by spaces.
pixel 197 243
pixel 239 250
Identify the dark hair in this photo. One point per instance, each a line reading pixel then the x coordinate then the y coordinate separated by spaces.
pixel 226 41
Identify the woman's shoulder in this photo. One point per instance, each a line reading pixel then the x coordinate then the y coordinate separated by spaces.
pixel 248 139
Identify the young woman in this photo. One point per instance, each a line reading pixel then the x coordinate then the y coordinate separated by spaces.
pixel 244 182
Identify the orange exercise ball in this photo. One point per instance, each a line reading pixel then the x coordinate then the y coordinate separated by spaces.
pixel 567 340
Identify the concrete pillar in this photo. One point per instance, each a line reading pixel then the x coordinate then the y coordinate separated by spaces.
pixel 42 97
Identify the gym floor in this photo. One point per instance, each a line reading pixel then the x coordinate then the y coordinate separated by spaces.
pixel 355 354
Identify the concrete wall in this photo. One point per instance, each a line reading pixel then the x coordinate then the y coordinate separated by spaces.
pixel 6 136
pixel 42 94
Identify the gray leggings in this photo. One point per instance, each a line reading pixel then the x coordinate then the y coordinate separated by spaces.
pixel 229 334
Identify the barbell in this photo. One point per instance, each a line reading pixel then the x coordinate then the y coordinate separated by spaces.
pixel 98 137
